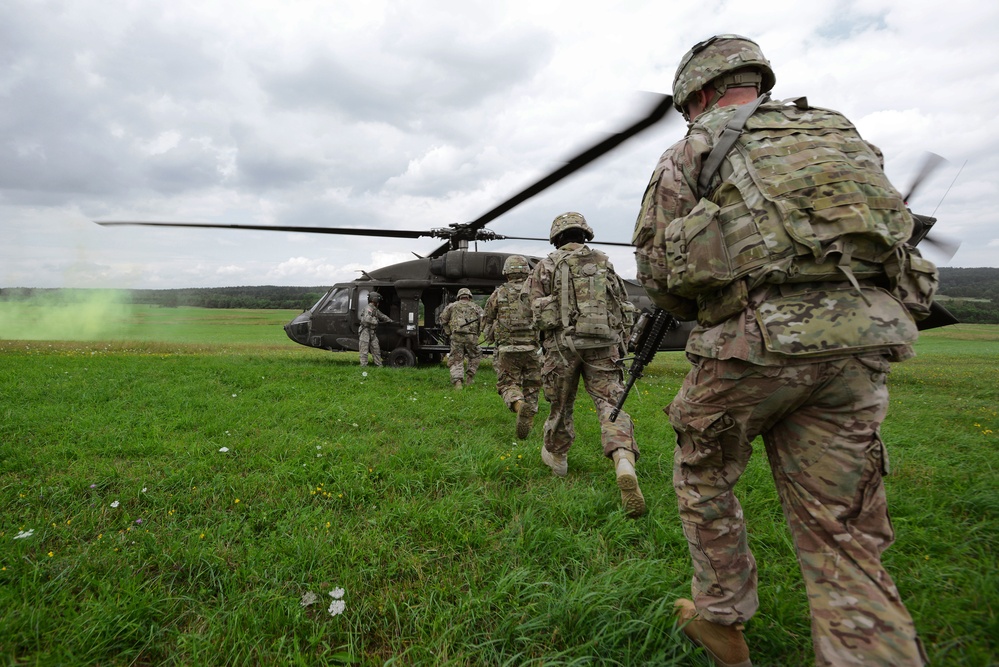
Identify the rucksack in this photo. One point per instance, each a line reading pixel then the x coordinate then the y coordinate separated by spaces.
pixel 513 318
pixel 590 314
pixel 810 203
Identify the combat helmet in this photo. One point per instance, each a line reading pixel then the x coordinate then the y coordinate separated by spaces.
pixel 464 291
pixel 515 264
pixel 721 60
pixel 374 296
pixel 566 221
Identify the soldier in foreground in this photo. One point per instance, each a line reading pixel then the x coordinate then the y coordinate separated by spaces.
pixel 774 225
pixel 462 321
pixel 367 341
pixel 579 304
pixel 507 323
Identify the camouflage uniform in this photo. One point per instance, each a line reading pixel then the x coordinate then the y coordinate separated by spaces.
pixel 518 366
pixel 804 365
pixel 368 338
pixel 563 367
pixel 462 320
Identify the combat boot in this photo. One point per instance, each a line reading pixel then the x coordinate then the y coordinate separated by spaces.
pixel 525 420
pixel 559 463
pixel 631 496
pixel 456 384
pixel 724 644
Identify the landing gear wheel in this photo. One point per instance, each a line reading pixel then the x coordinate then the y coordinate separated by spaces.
pixel 401 357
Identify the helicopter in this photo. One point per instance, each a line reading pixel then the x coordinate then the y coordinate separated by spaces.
pixel 413 293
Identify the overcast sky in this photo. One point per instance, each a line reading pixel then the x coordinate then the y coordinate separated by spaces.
pixel 414 115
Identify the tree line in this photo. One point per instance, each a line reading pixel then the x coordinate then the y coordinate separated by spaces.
pixel 972 295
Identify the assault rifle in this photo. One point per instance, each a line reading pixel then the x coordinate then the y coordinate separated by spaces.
pixel 461 326
pixel 645 340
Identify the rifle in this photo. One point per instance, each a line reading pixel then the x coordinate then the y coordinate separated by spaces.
pixel 465 324
pixel 645 340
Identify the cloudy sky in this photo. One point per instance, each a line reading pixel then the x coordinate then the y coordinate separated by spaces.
pixel 418 114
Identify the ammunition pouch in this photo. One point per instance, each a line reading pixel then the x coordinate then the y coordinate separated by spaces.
pixel 719 305
pixel 913 280
pixel 546 313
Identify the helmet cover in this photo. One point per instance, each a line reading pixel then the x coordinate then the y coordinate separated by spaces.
pixel 570 220
pixel 515 264
pixel 715 57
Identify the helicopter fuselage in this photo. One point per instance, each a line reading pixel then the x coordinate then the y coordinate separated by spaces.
pixel 413 294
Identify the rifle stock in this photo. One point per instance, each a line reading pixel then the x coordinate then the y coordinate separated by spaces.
pixel 645 340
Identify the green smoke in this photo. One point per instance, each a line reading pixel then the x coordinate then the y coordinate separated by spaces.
pixel 71 314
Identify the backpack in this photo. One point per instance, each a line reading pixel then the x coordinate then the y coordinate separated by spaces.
pixel 513 318
pixel 807 202
pixel 591 316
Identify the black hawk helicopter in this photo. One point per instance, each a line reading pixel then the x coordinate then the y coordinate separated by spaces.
pixel 414 293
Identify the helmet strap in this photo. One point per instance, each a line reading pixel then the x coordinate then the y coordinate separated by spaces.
pixel 741 79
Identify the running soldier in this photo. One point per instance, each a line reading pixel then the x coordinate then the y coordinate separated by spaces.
pixel 367 341
pixel 462 321
pixel 580 306
pixel 507 323
pixel 774 225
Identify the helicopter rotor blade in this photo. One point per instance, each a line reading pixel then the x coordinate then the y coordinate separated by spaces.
pixel 655 114
pixel 922 224
pixel 467 231
pixel 351 231
pixel 946 247
pixel 930 164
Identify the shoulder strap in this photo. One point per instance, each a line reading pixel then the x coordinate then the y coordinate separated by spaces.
pixel 728 138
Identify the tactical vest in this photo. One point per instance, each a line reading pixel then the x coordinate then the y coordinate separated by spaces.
pixel 589 314
pixel 464 318
pixel 513 317
pixel 368 319
pixel 800 197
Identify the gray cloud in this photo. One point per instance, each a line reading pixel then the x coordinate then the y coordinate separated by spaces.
pixel 404 116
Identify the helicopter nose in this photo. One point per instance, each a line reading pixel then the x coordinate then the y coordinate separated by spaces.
pixel 298 328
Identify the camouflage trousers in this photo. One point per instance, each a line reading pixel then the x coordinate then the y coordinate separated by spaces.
pixel 602 378
pixel 464 347
pixel 368 341
pixel 820 426
pixel 518 378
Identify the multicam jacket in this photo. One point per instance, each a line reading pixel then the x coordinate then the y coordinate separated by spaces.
pixel 557 312
pixel 462 318
pixel 507 320
pixel 371 316
pixel 761 260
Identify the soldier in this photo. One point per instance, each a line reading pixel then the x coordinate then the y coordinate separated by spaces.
pixel 579 304
pixel 462 321
pixel 368 338
pixel 774 225
pixel 507 322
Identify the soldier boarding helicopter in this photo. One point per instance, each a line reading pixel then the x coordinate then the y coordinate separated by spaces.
pixel 413 293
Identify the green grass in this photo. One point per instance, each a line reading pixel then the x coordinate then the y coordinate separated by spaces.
pixel 452 543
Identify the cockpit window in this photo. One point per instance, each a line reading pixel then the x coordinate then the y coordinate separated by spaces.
pixel 338 301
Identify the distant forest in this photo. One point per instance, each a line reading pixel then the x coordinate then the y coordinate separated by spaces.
pixel 972 295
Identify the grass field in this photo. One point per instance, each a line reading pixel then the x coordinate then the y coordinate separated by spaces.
pixel 188 487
